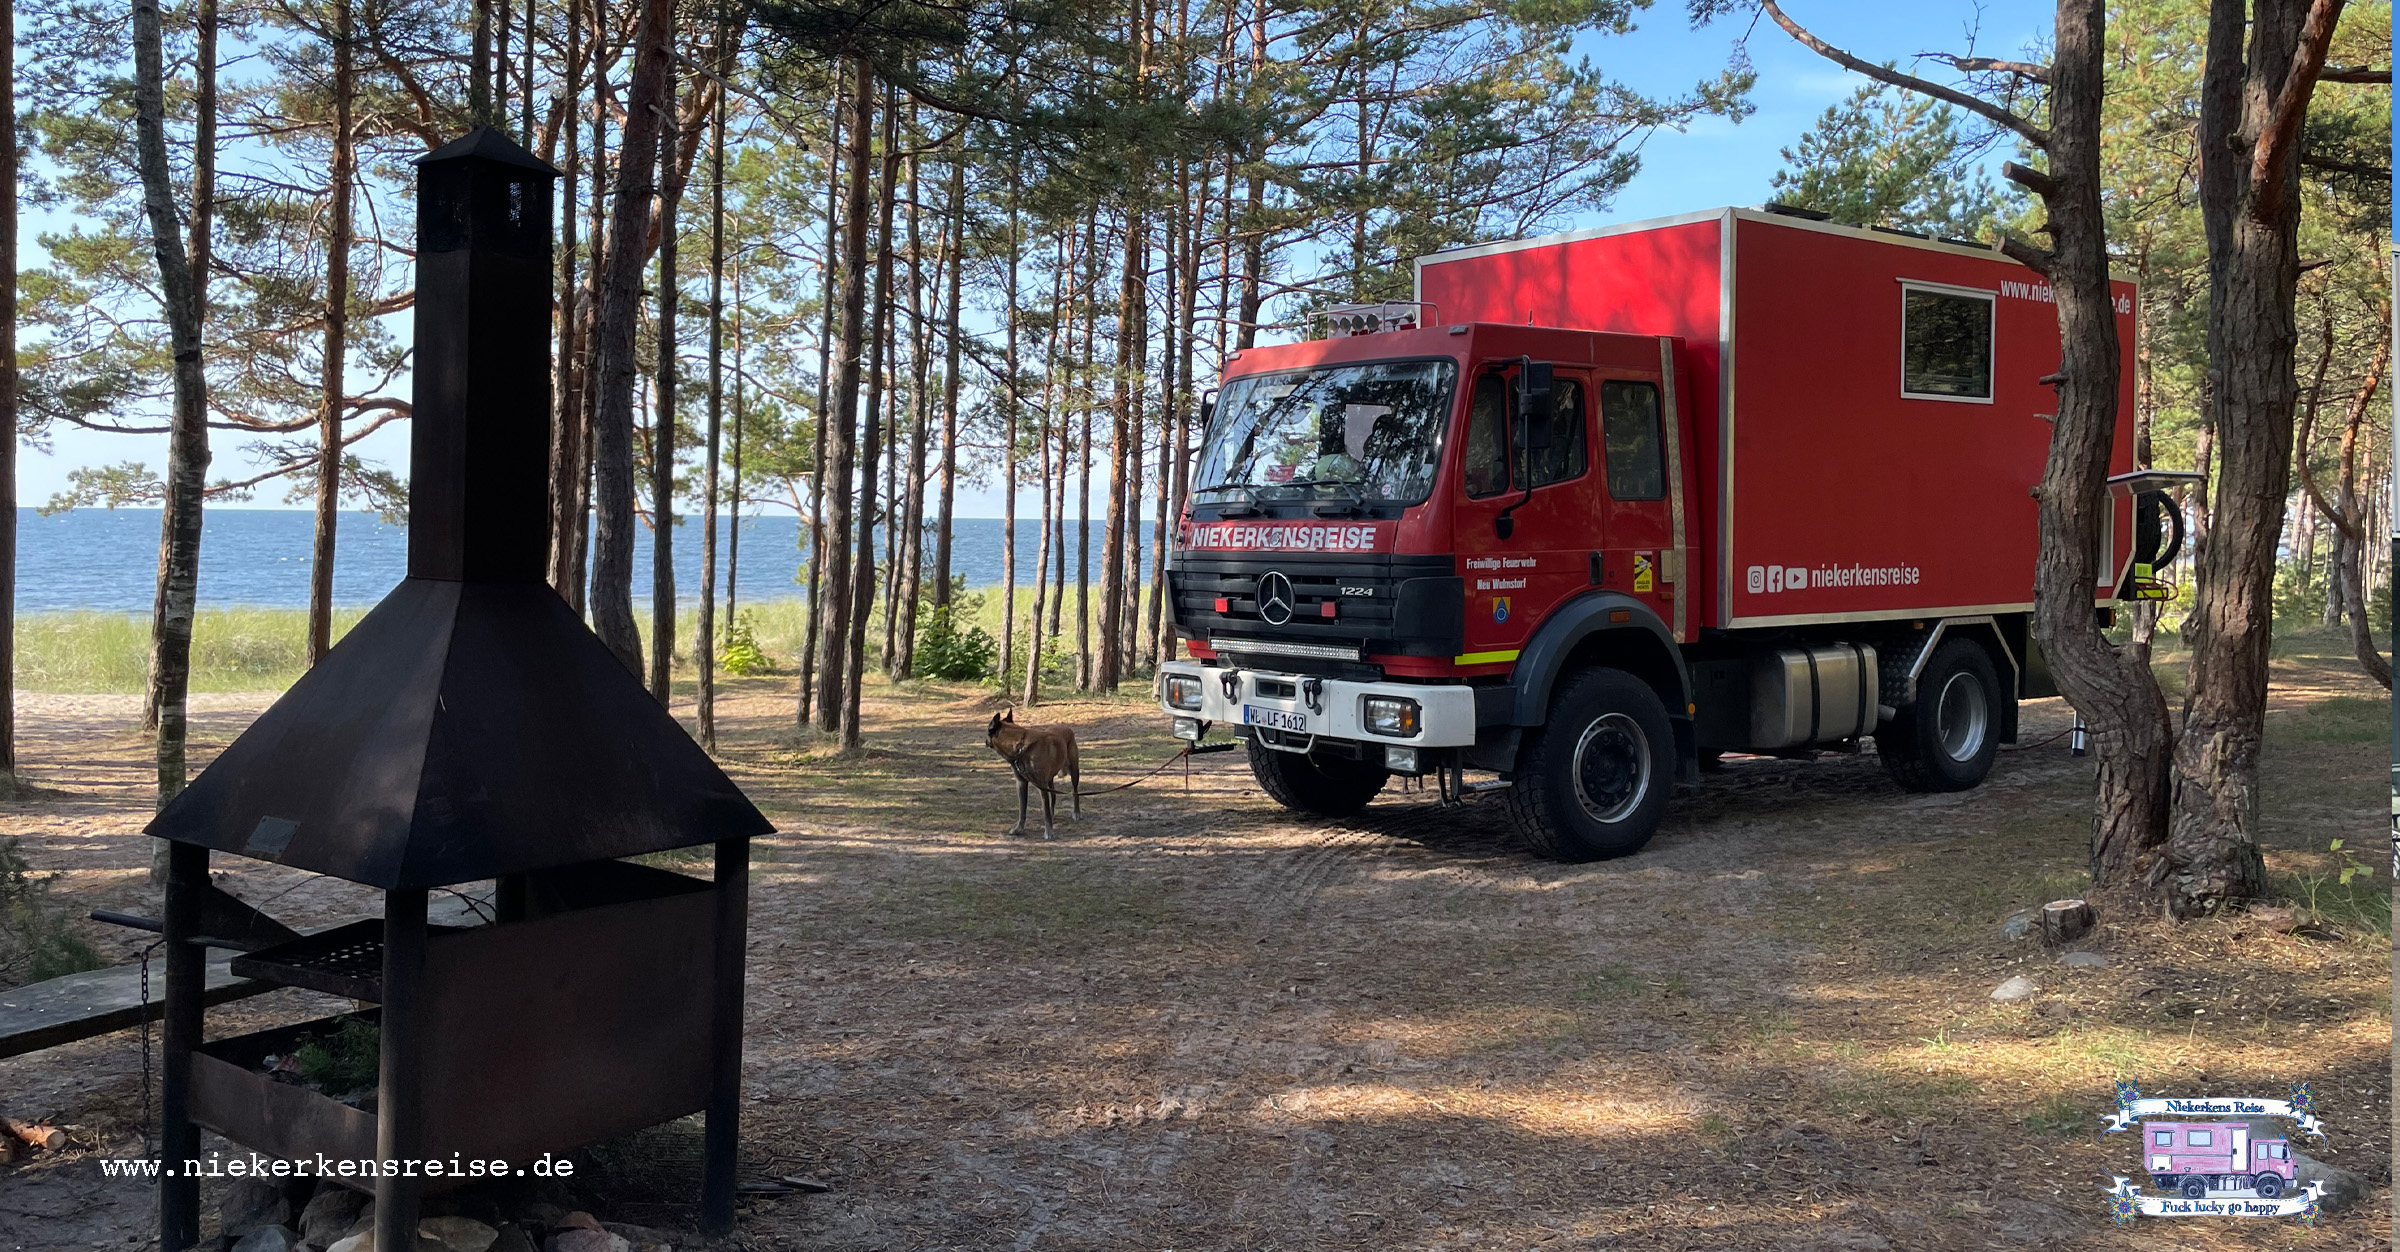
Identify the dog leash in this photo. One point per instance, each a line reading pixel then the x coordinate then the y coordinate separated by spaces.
pixel 1016 766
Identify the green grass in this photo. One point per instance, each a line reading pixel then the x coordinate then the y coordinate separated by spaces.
pixel 256 649
pixel 1030 903
pixel 2338 719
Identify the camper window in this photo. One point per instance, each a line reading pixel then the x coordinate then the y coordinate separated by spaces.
pixel 1945 344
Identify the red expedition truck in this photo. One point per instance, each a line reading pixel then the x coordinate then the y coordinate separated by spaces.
pixel 1599 508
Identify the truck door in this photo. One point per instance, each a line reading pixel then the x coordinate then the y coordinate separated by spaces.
pixel 1548 498
pixel 1637 533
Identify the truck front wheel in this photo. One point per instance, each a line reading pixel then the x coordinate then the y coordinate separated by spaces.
pixel 1592 781
pixel 1326 786
pixel 1946 740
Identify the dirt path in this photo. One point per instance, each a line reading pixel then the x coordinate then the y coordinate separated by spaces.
pixel 1195 1022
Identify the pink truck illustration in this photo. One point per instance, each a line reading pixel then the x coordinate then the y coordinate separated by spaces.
pixel 2197 1158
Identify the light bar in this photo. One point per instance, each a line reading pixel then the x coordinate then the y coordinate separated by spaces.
pixel 1278 647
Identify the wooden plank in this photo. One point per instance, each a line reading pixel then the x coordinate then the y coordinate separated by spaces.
pixel 80 1006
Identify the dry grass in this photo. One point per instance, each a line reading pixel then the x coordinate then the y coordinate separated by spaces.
pixel 1197 1022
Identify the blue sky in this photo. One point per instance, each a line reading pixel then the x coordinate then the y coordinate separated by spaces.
pixel 1716 162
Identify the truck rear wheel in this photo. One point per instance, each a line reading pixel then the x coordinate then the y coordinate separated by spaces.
pixel 1592 781
pixel 1947 739
pixel 1325 786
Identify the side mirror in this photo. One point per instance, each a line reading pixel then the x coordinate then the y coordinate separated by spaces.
pixel 1208 407
pixel 1533 405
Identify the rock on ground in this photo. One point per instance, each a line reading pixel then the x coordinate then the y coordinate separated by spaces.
pixel 251 1203
pixel 458 1234
pixel 582 1239
pixel 2017 988
pixel 268 1239
pixel 331 1213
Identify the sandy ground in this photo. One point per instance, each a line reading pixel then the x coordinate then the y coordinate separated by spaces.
pixel 1195 1022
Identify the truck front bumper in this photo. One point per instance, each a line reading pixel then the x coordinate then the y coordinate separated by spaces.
pixel 1315 708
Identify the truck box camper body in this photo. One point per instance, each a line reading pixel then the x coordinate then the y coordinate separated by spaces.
pixel 1601 507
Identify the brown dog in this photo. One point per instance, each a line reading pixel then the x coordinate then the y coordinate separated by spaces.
pixel 1037 755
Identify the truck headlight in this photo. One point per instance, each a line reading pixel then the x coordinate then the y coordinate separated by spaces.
pixel 1183 692
pixel 1395 716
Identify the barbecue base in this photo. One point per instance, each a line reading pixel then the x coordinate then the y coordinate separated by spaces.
pixel 516 1052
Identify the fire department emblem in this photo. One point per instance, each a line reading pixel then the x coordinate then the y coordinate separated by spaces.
pixel 1275 598
pixel 2219 1157
pixel 1499 608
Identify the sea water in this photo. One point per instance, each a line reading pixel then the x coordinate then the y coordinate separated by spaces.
pixel 107 559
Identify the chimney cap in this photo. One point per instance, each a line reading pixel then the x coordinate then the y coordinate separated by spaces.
pixel 491 145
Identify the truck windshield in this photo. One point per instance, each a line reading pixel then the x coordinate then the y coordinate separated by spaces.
pixel 1370 433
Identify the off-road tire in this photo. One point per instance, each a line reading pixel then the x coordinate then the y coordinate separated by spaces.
pixel 2268 1186
pixel 2193 1187
pixel 1922 751
pixel 1600 710
pixel 1325 786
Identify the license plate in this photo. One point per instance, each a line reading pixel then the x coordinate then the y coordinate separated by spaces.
pixel 1275 718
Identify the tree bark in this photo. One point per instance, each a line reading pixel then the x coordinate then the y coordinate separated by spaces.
pixel 704 641
pixel 910 562
pixel 337 343
pixel 638 163
pixel 1008 452
pixel 662 435
pixel 8 404
pixel 2114 690
pixel 567 468
pixel 2249 207
pixel 2345 566
pixel 187 445
pixel 819 538
pixel 863 584
pixel 945 511
pixel 840 445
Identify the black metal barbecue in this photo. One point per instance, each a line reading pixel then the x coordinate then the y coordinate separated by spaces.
pixel 470 728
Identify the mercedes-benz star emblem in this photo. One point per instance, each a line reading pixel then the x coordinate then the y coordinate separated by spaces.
pixel 1275 598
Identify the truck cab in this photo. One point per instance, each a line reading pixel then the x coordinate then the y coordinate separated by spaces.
pixel 1382 524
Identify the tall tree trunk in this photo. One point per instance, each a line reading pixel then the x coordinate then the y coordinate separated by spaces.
pixel 950 349
pixel 337 343
pixel 704 641
pixel 911 561
pixel 1087 666
pixel 479 74
pixel 8 403
pixel 871 423
pixel 1109 666
pixel 818 537
pixel 1186 403
pixel 2112 688
pixel 638 163
pixel 1008 449
pixel 662 435
pixel 840 444
pixel 1043 421
pixel 2249 199
pixel 566 426
pixel 733 507
pixel 2345 566
pixel 187 443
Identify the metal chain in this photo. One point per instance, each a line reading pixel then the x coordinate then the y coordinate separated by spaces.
pixel 148 1150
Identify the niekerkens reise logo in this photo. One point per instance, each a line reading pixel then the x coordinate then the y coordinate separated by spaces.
pixel 1261 536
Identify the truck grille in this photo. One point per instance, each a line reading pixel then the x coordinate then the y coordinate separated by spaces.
pixel 1409 605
